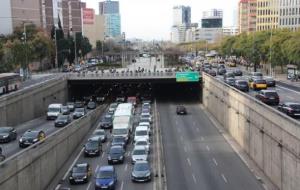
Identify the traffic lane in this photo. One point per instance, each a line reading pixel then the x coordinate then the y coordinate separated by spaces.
pixel 193 159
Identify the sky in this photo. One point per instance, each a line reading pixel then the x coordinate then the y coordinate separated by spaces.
pixel 152 19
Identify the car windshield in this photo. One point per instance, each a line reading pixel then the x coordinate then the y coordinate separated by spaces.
pixel 70 104
pixel 91 145
pixel 91 104
pixel 119 131
pixel 104 174
pixel 113 105
pixel 54 109
pixel 65 108
pixel 4 130
pixel 79 110
pixel 139 152
pixel 100 133
pixel 257 74
pixel 118 139
pixel 31 134
pixel 141 143
pixel 115 150
pixel 62 118
pixel 141 133
pixel 79 169
pixel 295 106
pixel 141 167
pixel 107 119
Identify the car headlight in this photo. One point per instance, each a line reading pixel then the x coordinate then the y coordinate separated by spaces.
pixel 109 157
pixel 132 174
pixel 21 140
pixel 121 157
pixel 70 177
pixel 35 140
pixel 111 183
pixel 84 177
pixel 148 174
pixel 5 136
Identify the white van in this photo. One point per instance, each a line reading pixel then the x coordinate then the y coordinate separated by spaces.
pixel 141 132
pixel 121 130
pixel 53 111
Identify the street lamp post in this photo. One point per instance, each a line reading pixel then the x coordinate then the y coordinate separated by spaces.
pixel 26 72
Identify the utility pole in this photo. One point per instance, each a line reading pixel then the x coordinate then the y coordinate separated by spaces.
pixel 56 57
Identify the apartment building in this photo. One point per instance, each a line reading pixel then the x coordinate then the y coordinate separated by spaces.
pixel 267 14
pixel 247 16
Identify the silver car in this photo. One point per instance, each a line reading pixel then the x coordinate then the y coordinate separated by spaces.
pixel 139 154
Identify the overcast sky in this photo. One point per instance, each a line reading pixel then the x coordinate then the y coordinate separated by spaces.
pixel 152 19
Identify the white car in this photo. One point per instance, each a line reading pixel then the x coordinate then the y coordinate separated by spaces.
pixel 139 154
pixel 143 143
pixel 147 124
pixel 141 132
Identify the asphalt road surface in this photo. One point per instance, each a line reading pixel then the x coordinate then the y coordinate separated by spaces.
pixel 197 155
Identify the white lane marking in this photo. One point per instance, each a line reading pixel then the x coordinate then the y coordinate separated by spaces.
pixel 215 161
pixel 76 159
pixel 102 155
pixel 288 89
pixel 202 138
pixel 88 187
pixel 207 148
pixel 224 178
pixel 185 149
pixel 189 161
pixel 122 184
pixel 97 168
pixel 126 166
pixel 194 178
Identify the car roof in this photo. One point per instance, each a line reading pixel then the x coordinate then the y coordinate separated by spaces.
pixel 141 128
pixel 141 162
pixel 8 128
pixel 290 103
pixel 55 105
pixel 106 168
pixel 93 139
pixel 116 146
pixel 81 165
pixel 139 148
pixel 269 91
pixel 98 130
pixel 141 139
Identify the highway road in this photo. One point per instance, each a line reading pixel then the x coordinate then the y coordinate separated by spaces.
pixel 196 154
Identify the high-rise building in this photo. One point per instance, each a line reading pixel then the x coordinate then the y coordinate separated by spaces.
pixel 42 13
pixel 230 30
pixel 267 14
pixel 247 16
pixel 181 23
pixel 112 19
pixel 289 14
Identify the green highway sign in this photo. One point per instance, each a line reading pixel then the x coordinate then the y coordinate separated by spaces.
pixel 187 77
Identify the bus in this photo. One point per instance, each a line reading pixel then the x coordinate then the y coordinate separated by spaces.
pixel 9 82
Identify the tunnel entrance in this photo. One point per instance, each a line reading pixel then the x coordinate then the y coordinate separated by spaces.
pixel 166 90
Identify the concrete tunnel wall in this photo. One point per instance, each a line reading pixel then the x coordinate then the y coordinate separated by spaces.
pixel 269 137
pixel 35 167
pixel 30 103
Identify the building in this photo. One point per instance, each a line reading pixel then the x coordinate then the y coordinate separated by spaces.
pixel 289 14
pixel 190 34
pixel 181 23
pixel 230 30
pixel 42 13
pixel 112 19
pixel 247 16
pixel 93 26
pixel 267 14
pixel 211 26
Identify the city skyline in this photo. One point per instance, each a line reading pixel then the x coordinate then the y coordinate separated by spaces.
pixel 153 19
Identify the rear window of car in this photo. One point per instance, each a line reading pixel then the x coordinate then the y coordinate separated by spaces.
pixel 242 82
pixel 271 94
pixel 295 106
pixel 260 81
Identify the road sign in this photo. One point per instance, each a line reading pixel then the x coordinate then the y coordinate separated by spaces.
pixel 187 77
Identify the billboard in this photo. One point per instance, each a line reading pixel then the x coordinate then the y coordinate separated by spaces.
pixel 212 23
pixel 88 16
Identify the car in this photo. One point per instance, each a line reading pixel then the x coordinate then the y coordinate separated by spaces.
pixel 100 99
pixel 91 105
pixel 146 117
pixel 142 142
pixel 105 178
pixel 7 134
pixel 53 111
pixel 268 97
pixel 119 140
pixel 116 154
pixel 231 64
pixel 106 122
pixel 112 107
pixel 93 147
pixel 80 173
pixel 256 75
pixel 146 110
pixel 77 68
pixel 241 85
pixel 212 72
pixel 100 133
pixel 228 75
pixel 141 132
pixel 270 81
pixel 230 81
pixel 258 84
pixel 79 104
pixel 147 124
pixel 290 108
pixel 78 113
pixel 121 99
pixel 139 154
pixel 141 172
pixel 62 120
pixel 238 72
pixel 221 71
pixel 31 137
pixel 181 110
pixel 71 106
pixel 65 110
pixel 146 105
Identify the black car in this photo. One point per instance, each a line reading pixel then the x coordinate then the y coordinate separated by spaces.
pixel 212 73
pixel 141 172
pixel 79 112
pixel 71 106
pixel 100 133
pixel 65 110
pixel 116 154
pixel 228 75
pixel 106 122
pixel 62 120
pixel 268 97
pixel 238 72
pixel 119 140
pixel 230 81
pixel 7 134
pixel 80 173
pixel 221 71
pixel 79 104
pixel 290 108
pixel 93 147
pixel 31 137
pixel 91 105
pixel 181 110
pixel 241 85
pixel 270 81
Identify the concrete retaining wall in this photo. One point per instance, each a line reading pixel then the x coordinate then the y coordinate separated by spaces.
pixel 35 167
pixel 32 102
pixel 269 137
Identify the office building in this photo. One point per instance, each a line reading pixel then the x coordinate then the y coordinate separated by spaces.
pixel 230 30
pixel 267 14
pixel 42 13
pixel 289 14
pixel 247 16
pixel 181 23
pixel 112 19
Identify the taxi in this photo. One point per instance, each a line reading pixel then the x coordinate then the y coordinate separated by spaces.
pixel 258 84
